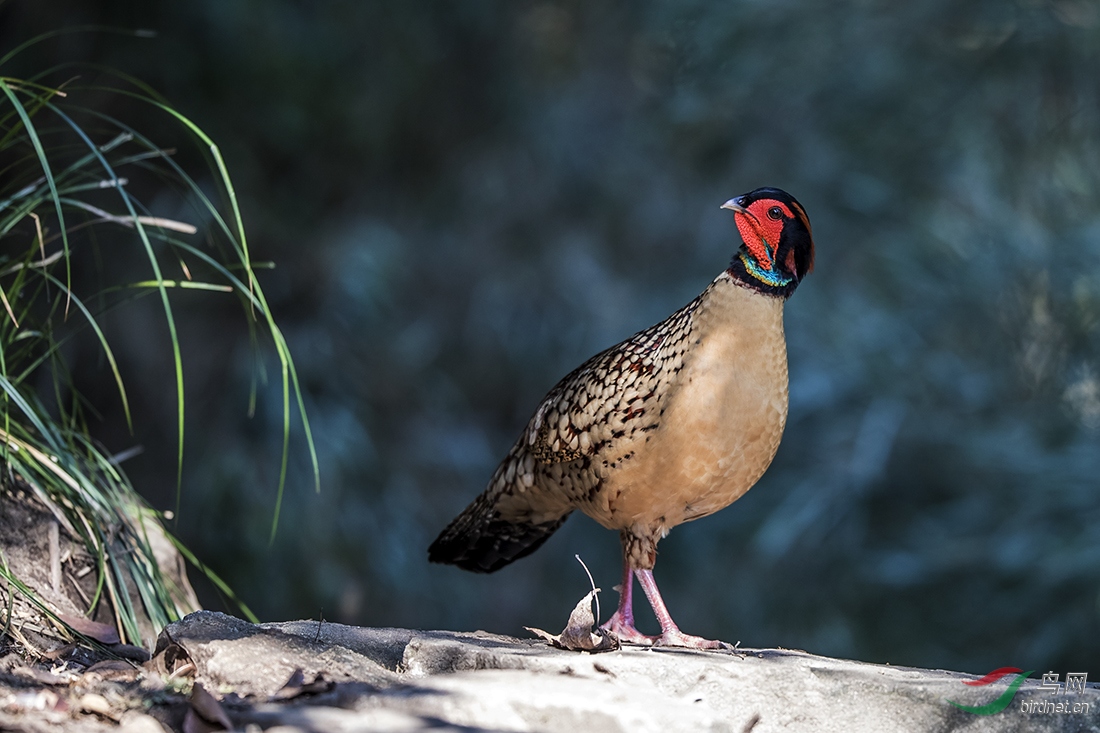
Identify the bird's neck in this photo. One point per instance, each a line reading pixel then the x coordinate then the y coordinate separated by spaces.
pixel 747 273
pixel 730 303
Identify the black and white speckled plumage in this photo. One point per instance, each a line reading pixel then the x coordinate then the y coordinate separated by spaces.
pixel 571 443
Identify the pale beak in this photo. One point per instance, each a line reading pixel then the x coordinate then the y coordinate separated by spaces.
pixel 732 205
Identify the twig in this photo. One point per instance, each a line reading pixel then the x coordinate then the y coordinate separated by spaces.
pixel 46 262
pixel 182 670
pixel 126 455
pixel 55 555
pixel 79 590
pixel 128 221
pixel 17 634
pixel 593 583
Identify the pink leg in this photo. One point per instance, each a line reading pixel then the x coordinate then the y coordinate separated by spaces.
pixel 622 622
pixel 670 632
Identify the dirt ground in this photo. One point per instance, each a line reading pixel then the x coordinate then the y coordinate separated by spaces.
pixel 47 680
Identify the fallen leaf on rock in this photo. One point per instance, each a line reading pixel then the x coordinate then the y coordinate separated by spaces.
pixel 581 633
pixel 171 661
pixel 205 713
pixel 297 685
pixel 129 651
pixel 297 679
pixel 104 633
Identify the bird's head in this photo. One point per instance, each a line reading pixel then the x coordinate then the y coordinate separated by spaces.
pixel 778 246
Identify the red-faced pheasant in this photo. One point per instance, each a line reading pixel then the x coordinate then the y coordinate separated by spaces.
pixel 673 424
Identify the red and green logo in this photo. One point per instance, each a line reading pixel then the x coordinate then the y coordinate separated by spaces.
pixel 1002 702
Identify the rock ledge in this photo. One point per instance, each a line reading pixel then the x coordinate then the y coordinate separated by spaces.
pixel 398 679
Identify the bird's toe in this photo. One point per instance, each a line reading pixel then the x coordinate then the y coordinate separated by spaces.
pixel 626 632
pixel 677 638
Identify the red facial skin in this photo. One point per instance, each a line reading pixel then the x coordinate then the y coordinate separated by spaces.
pixel 760 232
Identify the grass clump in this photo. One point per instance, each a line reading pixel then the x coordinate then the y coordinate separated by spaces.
pixel 66 197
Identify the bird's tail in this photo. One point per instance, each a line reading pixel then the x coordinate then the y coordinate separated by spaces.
pixel 480 540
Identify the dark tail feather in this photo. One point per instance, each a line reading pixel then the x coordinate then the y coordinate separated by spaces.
pixel 481 542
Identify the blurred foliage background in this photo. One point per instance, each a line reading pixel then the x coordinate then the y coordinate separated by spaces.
pixel 465 200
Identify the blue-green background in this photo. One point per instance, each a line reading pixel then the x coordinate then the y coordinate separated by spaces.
pixel 465 200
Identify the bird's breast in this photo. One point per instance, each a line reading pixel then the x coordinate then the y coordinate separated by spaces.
pixel 720 421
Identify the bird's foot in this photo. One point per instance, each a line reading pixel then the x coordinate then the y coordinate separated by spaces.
pixel 625 630
pixel 675 637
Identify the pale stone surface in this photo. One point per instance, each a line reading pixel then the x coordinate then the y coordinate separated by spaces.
pixel 135 722
pixel 403 680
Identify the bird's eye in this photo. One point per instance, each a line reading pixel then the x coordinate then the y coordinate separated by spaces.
pixel 775 213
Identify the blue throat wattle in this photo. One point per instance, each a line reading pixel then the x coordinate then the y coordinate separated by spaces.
pixel 769 277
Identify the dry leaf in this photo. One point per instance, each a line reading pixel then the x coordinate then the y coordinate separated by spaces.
pixel 581 634
pixel 59 652
pixel 292 687
pixel 297 685
pixel 205 713
pixel 104 633
pixel 169 660
pixel 129 651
